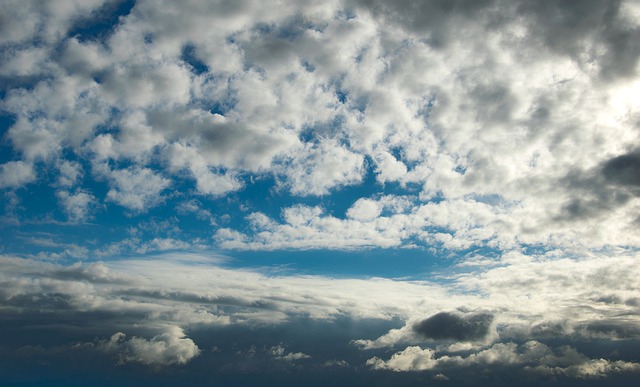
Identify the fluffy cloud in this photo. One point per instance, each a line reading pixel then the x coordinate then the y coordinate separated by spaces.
pixel 137 189
pixel 530 357
pixel 477 100
pixel 168 348
pixel 318 169
pixel 15 174
pixel 76 205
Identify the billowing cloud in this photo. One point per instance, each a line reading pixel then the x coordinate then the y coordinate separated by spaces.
pixel 15 174
pixel 169 348
pixel 531 357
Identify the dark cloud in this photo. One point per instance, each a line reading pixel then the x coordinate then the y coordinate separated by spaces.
pixel 623 170
pixel 602 189
pixel 453 326
pixel 579 28
pixel 613 329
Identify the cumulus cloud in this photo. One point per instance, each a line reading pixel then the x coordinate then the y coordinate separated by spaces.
pixel 480 99
pixel 168 348
pixel 137 189
pixel 76 205
pixel 15 174
pixel 324 167
pixel 530 357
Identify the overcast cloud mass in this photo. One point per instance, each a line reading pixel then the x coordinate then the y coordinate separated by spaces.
pixel 347 192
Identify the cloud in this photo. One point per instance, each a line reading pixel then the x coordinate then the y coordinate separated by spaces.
pixel 455 326
pixel 76 205
pixel 15 174
pixel 364 209
pixel 278 352
pixel 137 189
pixel 309 228
pixel 480 99
pixel 168 348
pixel 317 169
pixel 515 327
pixel 531 357
pixel 623 169
pixel 70 173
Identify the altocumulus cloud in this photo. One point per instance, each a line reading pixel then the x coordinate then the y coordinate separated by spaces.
pixel 208 185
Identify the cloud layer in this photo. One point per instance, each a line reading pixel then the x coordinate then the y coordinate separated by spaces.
pixel 479 108
pixel 170 310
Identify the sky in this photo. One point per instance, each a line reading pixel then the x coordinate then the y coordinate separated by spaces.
pixel 346 192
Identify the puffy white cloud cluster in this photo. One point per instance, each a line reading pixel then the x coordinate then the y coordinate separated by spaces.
pixel 532 357
pixel 169 348
pixel 494 102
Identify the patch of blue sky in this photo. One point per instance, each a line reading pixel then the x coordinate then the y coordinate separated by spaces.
pixel 345 14
pixel 190 57
pixel 535 249
pixel 307 66
pixel 102 22
pixel 408 264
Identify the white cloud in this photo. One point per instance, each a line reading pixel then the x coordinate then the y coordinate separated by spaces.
pixel 49 21
pixel 168 348
pixel 207 182
pixel 76 205
pixel 70 173
pixel 364 209
pixel 318 169
pixel 278 352
pixel 532 357
pixel 318 98
pixel 15 174
pixel 137 189
pixel 309 228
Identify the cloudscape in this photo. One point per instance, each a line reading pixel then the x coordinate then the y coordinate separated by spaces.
pixel 347 192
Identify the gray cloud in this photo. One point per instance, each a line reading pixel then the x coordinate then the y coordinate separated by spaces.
pixel 604 188
pixel 455 326
pixel 623 170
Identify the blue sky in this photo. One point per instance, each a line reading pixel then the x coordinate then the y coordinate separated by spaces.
pixel 358 192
